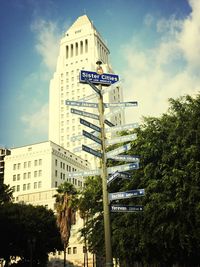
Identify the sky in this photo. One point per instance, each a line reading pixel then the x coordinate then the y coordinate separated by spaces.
pixel 154 47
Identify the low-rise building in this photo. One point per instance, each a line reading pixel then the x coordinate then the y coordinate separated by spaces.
pixel 34 172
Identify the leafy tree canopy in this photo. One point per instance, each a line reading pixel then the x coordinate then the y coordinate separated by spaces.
pixel 168 231
pixel 24 228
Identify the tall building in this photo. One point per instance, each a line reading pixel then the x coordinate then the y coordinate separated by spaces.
pixel 3 152
pixel 80 48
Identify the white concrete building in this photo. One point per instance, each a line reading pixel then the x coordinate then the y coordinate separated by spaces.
pixel 80 48
pixel 41 167
pixel 34 172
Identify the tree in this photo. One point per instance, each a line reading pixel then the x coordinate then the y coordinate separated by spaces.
pixel 91 210
pixel 168 231
pixel 28 232
pixel 65 207
pixel 5 194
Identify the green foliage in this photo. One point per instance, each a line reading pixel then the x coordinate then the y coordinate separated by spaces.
pixel 5 194
pixel 24 228
pixel 168 231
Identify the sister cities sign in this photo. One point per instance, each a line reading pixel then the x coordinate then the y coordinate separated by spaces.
pixel 95 78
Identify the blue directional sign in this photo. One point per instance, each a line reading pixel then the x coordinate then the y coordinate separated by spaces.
pixel 121 104
pixel 127 158
pixel 90 125
pixel 122 127
pixel 95 78
pixel 81 104
pixel 125 208
pixel 110 124
pixel 121 139
pixel 84 173
pixel 85 114
pixel 118 150
pixel 92 137
pixel 124 175
pixel 112 177
pixel 92 151
pixel 124 195
pixel 125 167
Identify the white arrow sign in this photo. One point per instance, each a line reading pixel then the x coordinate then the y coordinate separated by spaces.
pixel 122 127
pixel 121 104
pixel 121 139
pixel 127 158
pixel 84 173
pixel 125 167
pixel 118 150
pixel 81 104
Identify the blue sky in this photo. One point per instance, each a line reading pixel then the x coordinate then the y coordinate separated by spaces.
pixel 154 47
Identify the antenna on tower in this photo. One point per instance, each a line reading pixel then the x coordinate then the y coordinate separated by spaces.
pixel 84 11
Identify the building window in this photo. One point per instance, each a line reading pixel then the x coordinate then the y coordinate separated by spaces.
pixel 35 173
pixel 18 166
pixel 14 177
pixel 56 162
pixel 86 46
pixel 29 175
pixel 28 186
pixel 69 250
pixel 76 49
pixel 13 188
pixel 14 166
pixel 35 185
pixel 74 250
pixel 25 164
pixel 35 162
pixel 56 173
pixel 40 173
pixel 72 50
pixel 24 187
pixel 29 164
pixel 81 47
pixel 67 51
pixel 24 175
pixel 40 162
pixel 18 177
pixel 39 184
pixel 56 184
pixel 18 188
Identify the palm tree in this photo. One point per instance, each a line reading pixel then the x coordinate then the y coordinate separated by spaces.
pixel 5 194
pixel 66 206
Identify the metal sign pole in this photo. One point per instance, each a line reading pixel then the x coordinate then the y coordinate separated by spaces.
pixel 107 230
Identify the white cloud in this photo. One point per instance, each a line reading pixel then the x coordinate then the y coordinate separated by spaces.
pixel 37 123
pixel 47 36
pixel 189 38
pixel 169 69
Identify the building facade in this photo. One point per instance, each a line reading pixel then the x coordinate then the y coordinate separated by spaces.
pixel 3 152
pixel 80 48
pixel 34 172
pixel 41 167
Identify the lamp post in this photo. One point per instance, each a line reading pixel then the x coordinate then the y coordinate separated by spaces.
pixel 106 211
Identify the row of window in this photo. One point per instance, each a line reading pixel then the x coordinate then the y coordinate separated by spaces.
pixel 27 175
pixel 64 166
pixel 27 164
pixel 27 186
pixel 77 49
